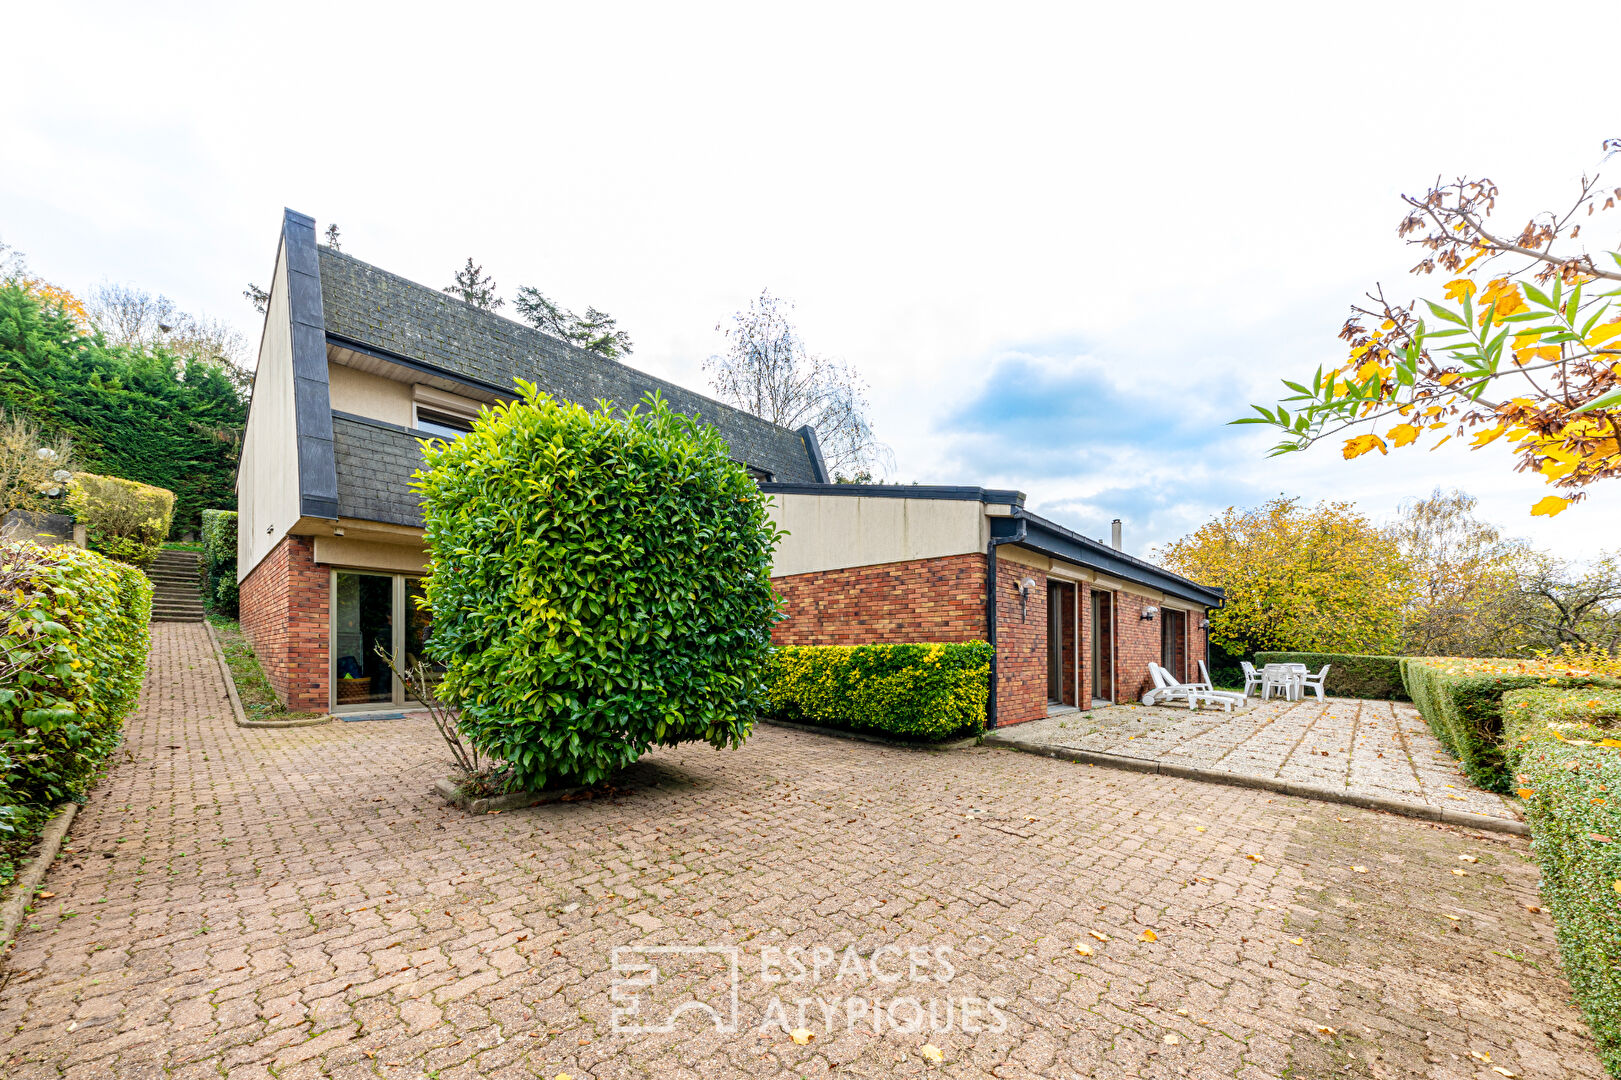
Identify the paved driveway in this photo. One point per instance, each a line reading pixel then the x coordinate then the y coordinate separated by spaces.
pixel 294 903
pixel 1381 751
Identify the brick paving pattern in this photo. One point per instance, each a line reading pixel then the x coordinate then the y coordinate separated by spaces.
pixel 1377 748
pixel 293 903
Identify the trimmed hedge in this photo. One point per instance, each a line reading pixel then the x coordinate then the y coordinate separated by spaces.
pixel 123 520
pixel 73 645
pixel 1461 701
pixel 219 561
pixel 1565 749
pixel 1353 675
pixel 927 692
pixel 600 583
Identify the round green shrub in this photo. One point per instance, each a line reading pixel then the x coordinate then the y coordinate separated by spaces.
pixel 600 583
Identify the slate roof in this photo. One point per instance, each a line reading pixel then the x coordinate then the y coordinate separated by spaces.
pixel 375 462
pixel 365 304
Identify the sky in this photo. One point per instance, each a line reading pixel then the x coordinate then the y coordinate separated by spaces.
pixel 1064 244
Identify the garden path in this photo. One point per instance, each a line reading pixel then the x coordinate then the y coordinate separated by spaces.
pixel 295 903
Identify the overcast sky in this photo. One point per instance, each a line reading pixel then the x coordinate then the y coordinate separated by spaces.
pixel 1064 243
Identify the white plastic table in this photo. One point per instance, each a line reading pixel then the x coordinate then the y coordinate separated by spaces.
pixel 1290 678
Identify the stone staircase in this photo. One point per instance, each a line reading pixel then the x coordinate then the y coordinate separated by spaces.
pixel 177 594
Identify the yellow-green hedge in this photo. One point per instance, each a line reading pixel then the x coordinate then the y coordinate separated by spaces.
pixel 1461 701
pixel 926 692
pixel 1565 749
pixel 73 645
pixel 124 520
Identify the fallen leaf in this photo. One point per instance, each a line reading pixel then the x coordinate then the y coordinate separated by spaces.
pixel 1198 828
pixel 1468 858
pixel 562 1076
pixel 1322 1030
pixel 1100 937
pixel 1172 1039
pixel 1253 858
pixel 1525 792
pixel 1461 873
pixel 1149 935
pixel 1480 1055
pixel 1618 885
pixel 1181 1012
pixel 1454 918
pixel 1298 940
pixel 1083 950
pixel 45 895
pixel 802 1035
pixel 932 1054
pixel 1501 1071
pixel 1360 869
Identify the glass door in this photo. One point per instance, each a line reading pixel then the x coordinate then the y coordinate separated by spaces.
pixel 362 620
pixel 1174 643
pixel 1102 647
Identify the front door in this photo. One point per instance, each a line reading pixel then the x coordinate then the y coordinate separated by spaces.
pixel 1055 643
pixel 1174 643
pixel 1102 646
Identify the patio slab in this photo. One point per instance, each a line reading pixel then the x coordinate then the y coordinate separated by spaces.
pixel 1368 753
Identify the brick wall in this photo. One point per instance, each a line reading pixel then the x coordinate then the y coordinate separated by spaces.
pixel 1137 644
pixel 285 618
pixel 919 600
pixel 1021 645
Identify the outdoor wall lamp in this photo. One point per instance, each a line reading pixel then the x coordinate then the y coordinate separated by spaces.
pixel 1025 587
pixel 1204 624
pixel 1150 612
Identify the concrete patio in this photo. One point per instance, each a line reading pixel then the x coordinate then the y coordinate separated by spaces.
pixel 1377 754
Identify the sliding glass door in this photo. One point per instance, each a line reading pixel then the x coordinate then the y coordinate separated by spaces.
pixel 371 611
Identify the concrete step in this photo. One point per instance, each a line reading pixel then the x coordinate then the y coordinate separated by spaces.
pixel 165 617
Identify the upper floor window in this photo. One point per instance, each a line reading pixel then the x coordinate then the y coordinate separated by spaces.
pixel 444 425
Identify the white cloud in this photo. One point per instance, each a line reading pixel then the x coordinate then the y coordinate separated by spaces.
pixel 1194 191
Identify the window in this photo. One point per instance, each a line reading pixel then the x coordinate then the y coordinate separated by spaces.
pixel 444 425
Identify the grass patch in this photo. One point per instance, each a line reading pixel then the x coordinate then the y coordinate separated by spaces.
pixel 259 701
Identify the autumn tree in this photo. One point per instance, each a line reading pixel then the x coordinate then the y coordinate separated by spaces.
pixel 595 331
pixel 768 371
pixel 1463 572
pixel 474 286
pixel 1523 345
pixel 1316 579
pixel 1560 602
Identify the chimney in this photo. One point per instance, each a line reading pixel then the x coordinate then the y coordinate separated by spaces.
pixel 1114 535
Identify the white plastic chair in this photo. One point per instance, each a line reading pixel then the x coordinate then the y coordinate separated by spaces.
pixel 1315 682
pixel 1284 677
pixel 1167 688
pixel 1252 678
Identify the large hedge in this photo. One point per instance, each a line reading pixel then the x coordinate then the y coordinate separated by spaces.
pixel 123 519
pixel 1565 749
pixel 1461 701
pixel 73 645
pixel 600 583
pixel 219 561
pixel 1354 675
pixel 146 414
pixel 926 692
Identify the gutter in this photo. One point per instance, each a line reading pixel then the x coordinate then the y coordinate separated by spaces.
pixel 990 609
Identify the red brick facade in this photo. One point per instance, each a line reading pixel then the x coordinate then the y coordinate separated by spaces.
pixel 286 619
pixel 944 600
pixel 1021 643
pixel 920 600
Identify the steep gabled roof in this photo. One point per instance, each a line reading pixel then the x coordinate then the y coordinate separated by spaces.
pixel 368 306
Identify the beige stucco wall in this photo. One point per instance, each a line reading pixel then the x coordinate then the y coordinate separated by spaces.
pixel 373 396
pixel 370 555
pixel 267 476
pixel 831 532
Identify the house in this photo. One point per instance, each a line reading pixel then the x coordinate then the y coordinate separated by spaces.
pixel 356 364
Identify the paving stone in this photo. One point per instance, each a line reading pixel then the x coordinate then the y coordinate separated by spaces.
pixel 307 907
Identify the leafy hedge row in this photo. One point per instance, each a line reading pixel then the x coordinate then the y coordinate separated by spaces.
pixel 124 520
pixel 219 561
pixel 1565 749
pixel 1461 701
pixel 73 645
pixel 923 692
pixel 1353 675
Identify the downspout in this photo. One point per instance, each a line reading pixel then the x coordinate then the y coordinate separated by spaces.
pixel 990 607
